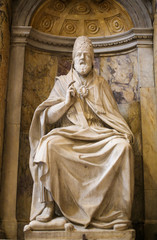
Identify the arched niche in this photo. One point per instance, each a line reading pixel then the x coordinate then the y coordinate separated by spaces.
pixel 138 12
pixel 91 18
pixel 53 25
pixel 37 53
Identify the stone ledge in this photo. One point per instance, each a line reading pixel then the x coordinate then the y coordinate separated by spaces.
pixel 92 234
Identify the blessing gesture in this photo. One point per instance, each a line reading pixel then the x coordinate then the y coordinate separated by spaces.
pixel 71 94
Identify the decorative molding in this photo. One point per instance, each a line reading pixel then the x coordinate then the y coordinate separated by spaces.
pixel 115 24
pixel 92 27
pixel 69 27
pixel 120 42
pixel 104 6
pixel 84 17
pixel 58 6
pixel 81 9
pixel 139 14
pixel 47 23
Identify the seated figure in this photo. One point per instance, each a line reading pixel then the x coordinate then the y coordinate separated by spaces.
pixel 84 163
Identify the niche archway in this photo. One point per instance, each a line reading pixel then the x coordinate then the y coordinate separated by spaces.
pixel 37 53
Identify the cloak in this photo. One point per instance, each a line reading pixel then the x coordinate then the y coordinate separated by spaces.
pixel 86 168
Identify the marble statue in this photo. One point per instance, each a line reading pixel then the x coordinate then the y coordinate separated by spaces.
pixel 81 157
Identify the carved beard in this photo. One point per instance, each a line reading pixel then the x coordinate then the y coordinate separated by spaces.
pixel 82 69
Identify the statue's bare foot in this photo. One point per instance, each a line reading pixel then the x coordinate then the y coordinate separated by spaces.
pixel 47 213
pixel 54 224
pixel 27 228
pixel 120 227
pixel 69 227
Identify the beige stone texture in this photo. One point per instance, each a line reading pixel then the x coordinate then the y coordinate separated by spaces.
pixel 150 205
pixel 73 19
pixel 9 181
pixel 150 230
pixel 126 94
pixel 155 48
pixel 146 73
pixel 149 136
pixel 39 72
pixel 131 113
pixel 87 160
pixel 4 63
pixel 121 73
pixel 84 234
pixel 11 145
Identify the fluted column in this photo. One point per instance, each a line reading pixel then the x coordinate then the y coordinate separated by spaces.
pixel 5 14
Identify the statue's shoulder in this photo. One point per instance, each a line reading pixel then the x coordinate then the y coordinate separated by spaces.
pixel 60 85
pixel 62 79
pixel 102 81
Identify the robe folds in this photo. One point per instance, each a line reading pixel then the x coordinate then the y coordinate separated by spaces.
pixel 85 163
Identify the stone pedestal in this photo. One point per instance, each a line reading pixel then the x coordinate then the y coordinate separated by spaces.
pixel 93 234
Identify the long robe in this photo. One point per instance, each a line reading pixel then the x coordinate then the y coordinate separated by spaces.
pixel 86 163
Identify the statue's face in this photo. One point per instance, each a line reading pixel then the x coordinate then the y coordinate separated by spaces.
pixel 83 62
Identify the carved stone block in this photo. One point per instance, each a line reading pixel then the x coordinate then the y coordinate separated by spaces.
pixel 81 235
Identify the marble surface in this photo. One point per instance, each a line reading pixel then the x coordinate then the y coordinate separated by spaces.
pixel 77 18
pixel 84 234
pixel 149 136
pixel 77 169
pixel 40 71
pixel 146 72
pixel 33 95
pixel 64 65
pixel 132 115
pixel 4 63
pixel 121 73
pixel 39 75
pixel 12 132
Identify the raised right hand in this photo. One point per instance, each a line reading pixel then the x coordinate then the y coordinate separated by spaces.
pixel 70 95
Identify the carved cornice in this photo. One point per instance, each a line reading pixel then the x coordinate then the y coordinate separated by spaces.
pixel 25 9
pixel 126 41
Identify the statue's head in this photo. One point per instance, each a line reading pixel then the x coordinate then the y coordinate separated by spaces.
pixel 83 55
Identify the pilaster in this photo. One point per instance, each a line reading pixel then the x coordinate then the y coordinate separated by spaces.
pixel 11 144
pixel 4 64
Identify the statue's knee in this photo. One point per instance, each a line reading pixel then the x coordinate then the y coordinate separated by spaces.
pixel 53 142
pixel 124 145
pixel 127 145
pixel 51 145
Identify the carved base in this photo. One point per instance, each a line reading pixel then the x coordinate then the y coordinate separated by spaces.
pixel 91 234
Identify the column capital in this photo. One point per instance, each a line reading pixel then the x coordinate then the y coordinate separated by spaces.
pixel 19 35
